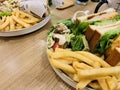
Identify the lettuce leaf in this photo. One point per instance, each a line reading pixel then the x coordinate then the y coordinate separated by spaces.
pixel 105 41
pixel 79 43
pixel 80 28
pixel 5 14
pixel 68 23
pixel 105 22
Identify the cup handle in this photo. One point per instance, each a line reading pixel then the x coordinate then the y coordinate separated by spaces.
pixel 99 5
pixel 80 13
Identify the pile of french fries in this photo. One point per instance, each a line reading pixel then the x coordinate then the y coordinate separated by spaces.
pixel 18 20
pixel 86 69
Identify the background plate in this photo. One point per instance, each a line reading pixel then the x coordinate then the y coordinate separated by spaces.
pixel 26 30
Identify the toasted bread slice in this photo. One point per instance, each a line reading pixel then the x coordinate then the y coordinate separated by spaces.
pixel 114 58
pixel 115 43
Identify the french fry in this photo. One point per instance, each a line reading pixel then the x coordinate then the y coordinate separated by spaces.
pixel 20 22
pixel 99 72
pixel 49 52
pixel 97 65
pixel 95 85
pixel 118 79
pixel 94 58
pixel 118 86
pixel 76 78
pixel 64 61
pixel 102 81
pixel 111 82
pixel 22 16
pixel 78 65
pixel 29 21
pixel 18 26
pixel 3 20
pixel 7 28
pixel 62 66
pixel 59 50
pixel 82 84
pixel 12 25
pixel 73 55
pixel 28 15
pixel 17 12
pixel 103 84
pixel 71 59
pixel 7 21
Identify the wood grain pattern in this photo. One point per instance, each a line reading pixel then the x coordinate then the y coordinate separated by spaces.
pixel 23 61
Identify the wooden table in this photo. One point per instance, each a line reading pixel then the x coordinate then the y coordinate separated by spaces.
pixel 23 61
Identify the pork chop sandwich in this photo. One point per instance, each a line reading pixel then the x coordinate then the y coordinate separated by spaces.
pixel 102 33
pixel 105 39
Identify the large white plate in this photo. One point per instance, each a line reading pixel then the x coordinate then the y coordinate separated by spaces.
pixel 26 30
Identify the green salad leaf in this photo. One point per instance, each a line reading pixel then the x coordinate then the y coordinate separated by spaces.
pixel 79 43
pixel 105 22
pixel 69 37
pixel 68 41
pixel 68 23
pixel 5 14
pixel 80 28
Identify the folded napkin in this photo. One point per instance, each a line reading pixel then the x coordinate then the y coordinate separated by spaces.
pixel 38 7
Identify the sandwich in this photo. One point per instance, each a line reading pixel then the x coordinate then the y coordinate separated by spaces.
pixel 103 37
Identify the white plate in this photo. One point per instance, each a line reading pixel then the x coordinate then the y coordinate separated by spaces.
pixel 26 30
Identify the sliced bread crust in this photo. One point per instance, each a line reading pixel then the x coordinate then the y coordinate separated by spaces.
pixel 114 58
